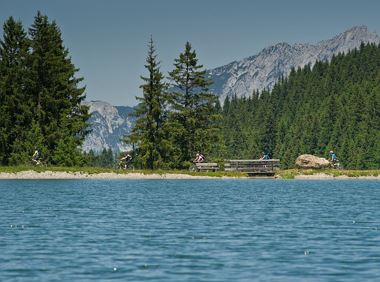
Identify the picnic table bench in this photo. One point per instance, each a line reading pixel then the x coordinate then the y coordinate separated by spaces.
pixel 253 167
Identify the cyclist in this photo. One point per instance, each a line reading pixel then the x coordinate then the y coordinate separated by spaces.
pixel 126 160
pixel 36 157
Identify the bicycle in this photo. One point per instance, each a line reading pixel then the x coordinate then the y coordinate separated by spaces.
pixel 38 163
pixel 193 167
pixel 335 164
pixel 125 165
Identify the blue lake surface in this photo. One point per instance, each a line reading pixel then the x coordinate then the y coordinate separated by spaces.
pixel 189 230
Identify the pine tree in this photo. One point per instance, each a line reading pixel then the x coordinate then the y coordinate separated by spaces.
pixel 194 114
pixel 105 159
pixel 56 90
pixel 150 131
pixel 15 101
pixel 89 158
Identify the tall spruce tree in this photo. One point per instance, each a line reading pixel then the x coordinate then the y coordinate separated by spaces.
pixel 57 93
pixel 194 115
pixel 15 101
pixel 150 131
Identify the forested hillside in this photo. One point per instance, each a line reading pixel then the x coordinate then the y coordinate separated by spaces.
pixel 333 106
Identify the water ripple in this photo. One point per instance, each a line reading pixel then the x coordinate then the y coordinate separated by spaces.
pixel 193 230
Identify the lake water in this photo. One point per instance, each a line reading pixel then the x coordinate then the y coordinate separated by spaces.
pixel 189 230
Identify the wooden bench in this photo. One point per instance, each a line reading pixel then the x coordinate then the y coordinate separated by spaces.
pixel 253 167
pixel 207 166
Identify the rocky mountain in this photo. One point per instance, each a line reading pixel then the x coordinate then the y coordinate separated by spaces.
pixel 108 124
pixel 263 70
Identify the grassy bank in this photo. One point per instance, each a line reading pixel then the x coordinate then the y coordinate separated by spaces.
pixel 96 170
pixel 284 174
pixel 292 173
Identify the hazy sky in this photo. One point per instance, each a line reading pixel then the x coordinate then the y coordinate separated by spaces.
pixel 107 39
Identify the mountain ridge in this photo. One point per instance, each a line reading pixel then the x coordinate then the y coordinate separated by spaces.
pixel 263 70
pixel 107 125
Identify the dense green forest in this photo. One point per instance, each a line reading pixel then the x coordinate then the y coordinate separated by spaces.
pixel 331 106
pixel 40 97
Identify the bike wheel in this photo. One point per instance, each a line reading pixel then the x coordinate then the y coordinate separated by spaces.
pixel 193 168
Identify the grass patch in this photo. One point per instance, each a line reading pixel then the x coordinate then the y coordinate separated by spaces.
pixel 292 173
pixel 97 170
pixel 284 174
pixel 287 173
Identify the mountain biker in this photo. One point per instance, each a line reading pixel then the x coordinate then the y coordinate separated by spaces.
pixel 126 160
pixel 265 156
pixel 199 158
pixel 333 157
pixel 36 157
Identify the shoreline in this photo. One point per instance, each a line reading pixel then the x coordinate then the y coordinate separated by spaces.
pixel 30 175
pixel 325 176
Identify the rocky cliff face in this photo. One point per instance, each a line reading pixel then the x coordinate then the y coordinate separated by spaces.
pixel 263 70
pixel 108 124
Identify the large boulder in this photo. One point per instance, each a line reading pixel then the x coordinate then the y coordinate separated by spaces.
pixel 310 161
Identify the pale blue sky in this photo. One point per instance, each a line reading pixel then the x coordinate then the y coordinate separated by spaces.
pixel 107 38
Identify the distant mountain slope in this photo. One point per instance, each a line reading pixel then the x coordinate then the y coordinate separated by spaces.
pixel 108 124
pixel 263 70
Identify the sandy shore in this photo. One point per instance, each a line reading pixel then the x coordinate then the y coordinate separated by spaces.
pixel 322 176
pixel 29 174
pixel 81 175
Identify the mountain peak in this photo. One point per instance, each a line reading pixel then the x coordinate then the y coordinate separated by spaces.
pixel 277 47
pixel 263 70
pixel 360 32
pixel 359 29
pixel 354 34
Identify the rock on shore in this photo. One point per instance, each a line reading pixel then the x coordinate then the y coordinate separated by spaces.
pixel 310 161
